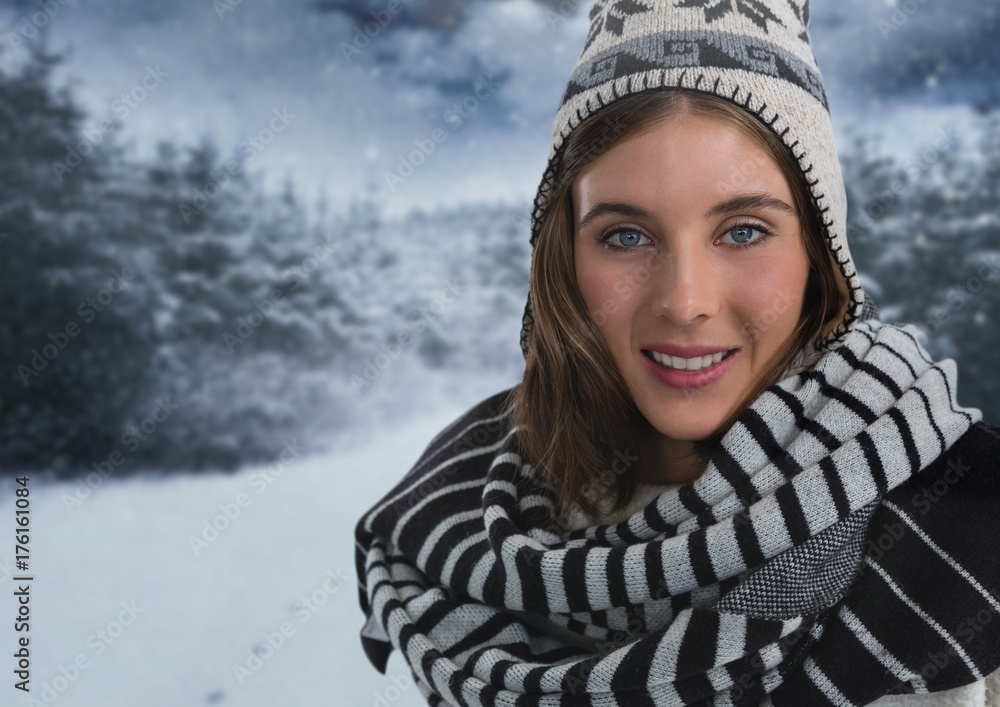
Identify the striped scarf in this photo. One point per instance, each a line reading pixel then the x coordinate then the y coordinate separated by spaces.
pixel 720 591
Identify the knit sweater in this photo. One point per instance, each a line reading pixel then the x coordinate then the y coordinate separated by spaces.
pixel 979 446
pixel 958 491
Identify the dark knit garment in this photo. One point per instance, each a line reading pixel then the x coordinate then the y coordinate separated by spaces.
pixel 818 561
pixel 927 602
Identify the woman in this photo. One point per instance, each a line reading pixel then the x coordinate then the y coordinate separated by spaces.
pixel 722 480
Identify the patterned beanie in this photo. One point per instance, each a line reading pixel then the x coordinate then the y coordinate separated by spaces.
pixel 754 53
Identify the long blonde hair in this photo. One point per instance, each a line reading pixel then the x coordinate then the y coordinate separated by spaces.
pixel 575 416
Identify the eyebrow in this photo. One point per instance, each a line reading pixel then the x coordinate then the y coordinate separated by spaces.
pixel 737 203
pixel 614 207
pixel 749 201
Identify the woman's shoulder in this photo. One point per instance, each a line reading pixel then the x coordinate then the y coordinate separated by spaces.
pixel 459 452
pixel 930 557
pixel 478 428
pixel 982 439
pixel 482 423
pixel 971 463
pixel 965 476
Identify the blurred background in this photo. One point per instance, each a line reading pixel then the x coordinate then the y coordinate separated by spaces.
pixel 254 255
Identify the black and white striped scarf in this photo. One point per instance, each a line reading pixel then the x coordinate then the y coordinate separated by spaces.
pixel 723 591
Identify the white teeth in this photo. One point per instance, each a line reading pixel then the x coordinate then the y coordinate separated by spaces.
pixel 688 364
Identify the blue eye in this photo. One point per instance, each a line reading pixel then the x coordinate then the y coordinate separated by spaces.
pixel 623 239
pixel 743 234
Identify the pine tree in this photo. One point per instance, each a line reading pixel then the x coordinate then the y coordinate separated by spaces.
pixel 73 330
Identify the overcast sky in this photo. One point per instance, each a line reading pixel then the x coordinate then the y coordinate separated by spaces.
pixel 231 63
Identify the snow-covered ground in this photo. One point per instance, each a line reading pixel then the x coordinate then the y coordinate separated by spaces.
pixel 138 601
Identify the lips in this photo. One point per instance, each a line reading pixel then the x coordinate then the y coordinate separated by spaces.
pixel 694 363
pixel 706 370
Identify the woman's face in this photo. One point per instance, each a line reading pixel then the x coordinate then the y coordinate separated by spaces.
pixel 688 243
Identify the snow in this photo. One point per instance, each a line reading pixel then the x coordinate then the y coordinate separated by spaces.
pixel 285 560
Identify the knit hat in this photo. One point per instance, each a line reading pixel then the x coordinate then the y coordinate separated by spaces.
pixel 754 53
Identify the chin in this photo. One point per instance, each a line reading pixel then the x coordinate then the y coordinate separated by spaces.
pixel 688 430
pixel 687 417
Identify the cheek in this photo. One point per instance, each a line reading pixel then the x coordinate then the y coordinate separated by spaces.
pixel 610 292
pixel 769 302
pixel 591 280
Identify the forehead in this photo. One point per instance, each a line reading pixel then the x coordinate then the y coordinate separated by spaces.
pixel 691 158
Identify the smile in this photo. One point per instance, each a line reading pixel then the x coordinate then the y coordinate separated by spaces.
pixel 693 372
pixel 688 364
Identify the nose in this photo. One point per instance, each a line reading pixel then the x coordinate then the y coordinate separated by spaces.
pixel 687 289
